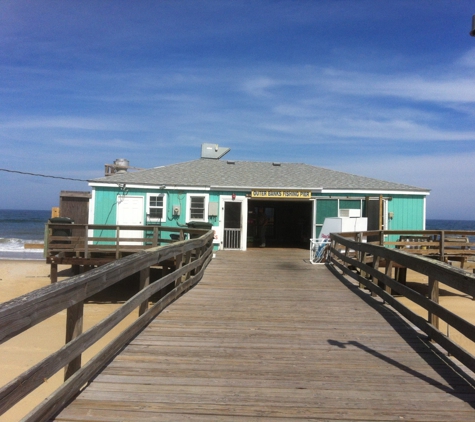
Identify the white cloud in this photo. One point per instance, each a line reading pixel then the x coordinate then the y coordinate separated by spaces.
pixel 450 178
pixel 97 144
pixel 66 122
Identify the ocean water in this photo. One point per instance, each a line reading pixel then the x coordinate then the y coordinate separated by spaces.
pixel 452 225
pixel 18 227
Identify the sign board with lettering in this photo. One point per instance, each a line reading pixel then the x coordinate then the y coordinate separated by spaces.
pixel 281 194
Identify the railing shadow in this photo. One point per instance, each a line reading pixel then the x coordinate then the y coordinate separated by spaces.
pixel 463 387
pixel 423 290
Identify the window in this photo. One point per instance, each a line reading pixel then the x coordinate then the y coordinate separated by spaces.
pixel 156 208
pixel 197 208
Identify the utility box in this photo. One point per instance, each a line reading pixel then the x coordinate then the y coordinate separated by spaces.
pixel 213 209
pixel 343 225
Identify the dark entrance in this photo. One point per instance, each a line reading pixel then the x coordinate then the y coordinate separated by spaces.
pixel 287 223
pixel 232 225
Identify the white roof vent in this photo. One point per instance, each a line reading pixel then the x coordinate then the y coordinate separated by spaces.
pixel 213 151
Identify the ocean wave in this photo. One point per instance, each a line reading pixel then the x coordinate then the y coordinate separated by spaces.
pixel 17 245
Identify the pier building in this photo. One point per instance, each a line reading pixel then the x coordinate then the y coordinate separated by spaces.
pixel 238 198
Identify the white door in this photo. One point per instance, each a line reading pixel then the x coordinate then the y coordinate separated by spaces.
pixel 130 211
pixel 233 222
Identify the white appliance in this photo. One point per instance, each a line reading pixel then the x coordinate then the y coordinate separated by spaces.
pixel 343 225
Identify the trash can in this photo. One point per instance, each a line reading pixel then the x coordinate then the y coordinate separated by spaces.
pixel 198 225
pixel 61 231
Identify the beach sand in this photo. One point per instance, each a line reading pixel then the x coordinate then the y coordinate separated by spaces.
pixel 459 303
pixel 17 355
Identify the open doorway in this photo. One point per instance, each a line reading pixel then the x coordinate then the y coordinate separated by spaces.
pixel 279 223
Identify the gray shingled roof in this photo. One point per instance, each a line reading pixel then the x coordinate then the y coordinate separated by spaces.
pixel 248 174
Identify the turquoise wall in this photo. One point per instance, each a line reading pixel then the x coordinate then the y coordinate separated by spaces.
pixel 105 212
pixel 408 210
pixel 105 207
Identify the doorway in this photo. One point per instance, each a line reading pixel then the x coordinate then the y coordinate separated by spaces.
pixel 287 223
pixel 130 212
pixel 232 225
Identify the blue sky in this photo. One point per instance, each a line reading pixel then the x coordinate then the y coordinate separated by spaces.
pixel 384 89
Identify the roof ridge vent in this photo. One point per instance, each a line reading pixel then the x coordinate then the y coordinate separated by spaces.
pixel 231 162
pixel 276 164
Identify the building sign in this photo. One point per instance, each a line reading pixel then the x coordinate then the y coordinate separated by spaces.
pixel 281 194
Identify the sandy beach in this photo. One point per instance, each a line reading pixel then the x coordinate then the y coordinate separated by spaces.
pixel 18 277
pixel 20 353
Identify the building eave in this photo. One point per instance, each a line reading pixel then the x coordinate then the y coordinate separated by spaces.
pixel 377 191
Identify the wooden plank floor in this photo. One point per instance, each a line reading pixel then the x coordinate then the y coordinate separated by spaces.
pixel 266 336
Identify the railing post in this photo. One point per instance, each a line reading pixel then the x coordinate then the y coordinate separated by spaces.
pixel 53 272
pixel 381 237
pixel 389 273
pixel 117 242
pixel 144 282
pixel 178 265
pixel 74 325
pixel 442 246
pixel 155 237
pixel 86 241
pixel 332 247
pixel 433 294
pixel 376 267
pixel 199 252
pixel 187 261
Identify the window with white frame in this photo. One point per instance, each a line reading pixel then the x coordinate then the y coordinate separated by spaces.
pixel 197 207
pixel 156 207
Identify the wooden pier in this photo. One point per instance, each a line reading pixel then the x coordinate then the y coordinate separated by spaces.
pixel 266 336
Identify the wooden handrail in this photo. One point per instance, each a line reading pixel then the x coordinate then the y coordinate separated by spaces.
pixel 442 244
pixel 361 267
pixel 61 237
pixel 20 314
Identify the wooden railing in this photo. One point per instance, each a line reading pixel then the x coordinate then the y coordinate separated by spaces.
pixel 441 244
pixel 18 315
pixel 371 265
pixel 84 240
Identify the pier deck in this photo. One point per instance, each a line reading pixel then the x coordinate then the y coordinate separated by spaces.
pixel 266 336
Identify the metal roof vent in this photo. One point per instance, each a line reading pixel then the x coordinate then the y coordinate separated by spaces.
pixel 213 151
pixel 276 164
pixel 231 162
pixel 121 165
